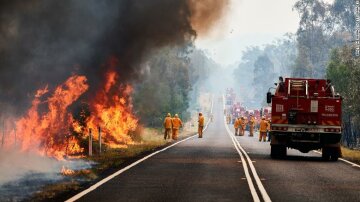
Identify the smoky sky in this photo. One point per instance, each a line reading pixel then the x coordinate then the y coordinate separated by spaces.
pixel 45 42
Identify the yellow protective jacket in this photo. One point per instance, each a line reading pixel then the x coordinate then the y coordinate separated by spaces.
pixel 168 122
pixel 252 121
pixel 237 123
pixel 263 126
pixel 268 125
pixel 201 121
pixel 243 122
pixel 176 123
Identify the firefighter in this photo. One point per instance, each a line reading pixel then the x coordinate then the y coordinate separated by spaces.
pixel 240 122
pixel 201 122
pixel 251 125
pixel 242 125
pixel 263 129
pixel 167 126
pixel 236 126
pixel 268 129
pixel 176 124
pixel 228 118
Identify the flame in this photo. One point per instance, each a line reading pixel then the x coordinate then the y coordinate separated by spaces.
pixel 45 133
pixel 66 171
pixel 49 129
pixel 112 111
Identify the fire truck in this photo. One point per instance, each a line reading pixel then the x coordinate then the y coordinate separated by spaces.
pixel 230 96
pixel 306 115
pixel 229 102
pixel 266 111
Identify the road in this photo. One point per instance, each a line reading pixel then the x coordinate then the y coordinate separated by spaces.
pixel 217 168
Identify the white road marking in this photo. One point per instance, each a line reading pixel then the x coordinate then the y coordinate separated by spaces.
pixel 256 176
pixel 263 192
pixel 246 170
pixel 343 160
pixel 103 181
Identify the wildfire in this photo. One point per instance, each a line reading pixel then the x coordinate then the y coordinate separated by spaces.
pixel 49 129
pixel 45 132
pixel 112 111
pixel 66 171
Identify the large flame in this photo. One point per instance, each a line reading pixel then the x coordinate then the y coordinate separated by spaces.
pixel 48 128
pixel 111 110
pixel 48 133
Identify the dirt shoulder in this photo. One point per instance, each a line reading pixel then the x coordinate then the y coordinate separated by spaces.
pixel 107 163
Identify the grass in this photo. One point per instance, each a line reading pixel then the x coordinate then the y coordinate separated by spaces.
pixel 146 141
pixel 50 192
pixel 351 154
pixel 107 163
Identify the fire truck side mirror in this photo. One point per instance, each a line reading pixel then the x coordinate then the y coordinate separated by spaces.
pixel 268 97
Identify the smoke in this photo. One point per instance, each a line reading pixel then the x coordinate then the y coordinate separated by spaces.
pixel 31 172
pixel 204 16
pixel 45 42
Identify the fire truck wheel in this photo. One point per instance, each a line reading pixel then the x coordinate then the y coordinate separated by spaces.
pixel 274 151
pixel 283 151
pixel 335 153
pixel 278 151
pixel 325 153
pixel 331 153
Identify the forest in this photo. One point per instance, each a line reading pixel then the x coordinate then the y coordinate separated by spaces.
pixel 322 47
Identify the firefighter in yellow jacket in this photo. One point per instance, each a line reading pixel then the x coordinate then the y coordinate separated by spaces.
pixel 251 125
pixel 263 129
pixel 176 124
pixel 242 126
pixel 167 126
pixel 228 119
pixel 201 122
pixel 240 122
pixel 236 126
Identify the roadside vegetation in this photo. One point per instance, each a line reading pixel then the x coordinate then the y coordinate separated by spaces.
pixel 322 47
pixel 352 155
pixel 108 162
pixel 146 140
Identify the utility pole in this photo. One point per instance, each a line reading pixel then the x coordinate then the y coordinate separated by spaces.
pixel 90 142
pixel 99 140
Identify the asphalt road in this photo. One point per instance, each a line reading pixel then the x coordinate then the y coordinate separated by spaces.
pixel 211 169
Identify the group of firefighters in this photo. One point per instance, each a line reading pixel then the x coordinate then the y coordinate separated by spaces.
pixel 172 126
pixel 241 122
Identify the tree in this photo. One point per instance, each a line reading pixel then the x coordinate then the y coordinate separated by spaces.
pixel 344 72
pixel 278 56
pixel 164 87
pixel 263 77
pixel 322 27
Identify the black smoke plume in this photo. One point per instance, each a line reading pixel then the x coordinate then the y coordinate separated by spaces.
pixel 46 41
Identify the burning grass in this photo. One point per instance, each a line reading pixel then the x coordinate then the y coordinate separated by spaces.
pixel 110 160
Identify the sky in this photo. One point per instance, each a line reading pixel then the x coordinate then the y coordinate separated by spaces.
pixel 248 23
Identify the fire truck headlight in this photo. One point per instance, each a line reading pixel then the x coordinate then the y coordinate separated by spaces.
pixel 309 122
pixel 314 122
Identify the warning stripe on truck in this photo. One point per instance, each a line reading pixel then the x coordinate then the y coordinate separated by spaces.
pixel 279 121
pixel 330 123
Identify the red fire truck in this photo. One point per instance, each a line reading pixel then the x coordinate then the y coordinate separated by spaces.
pixel 230 97
pixel 306 115
pixel 266 112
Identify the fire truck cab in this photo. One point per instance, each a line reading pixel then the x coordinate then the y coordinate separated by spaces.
pixel 306 115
